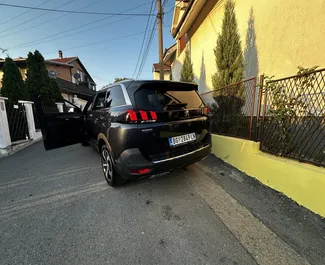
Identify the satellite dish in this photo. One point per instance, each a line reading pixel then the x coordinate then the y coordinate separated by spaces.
pixel 76 76
pixel 52 74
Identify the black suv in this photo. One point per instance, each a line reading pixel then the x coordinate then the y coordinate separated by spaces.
pixel 140 128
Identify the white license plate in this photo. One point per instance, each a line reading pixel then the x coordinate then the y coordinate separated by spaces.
pixel 182 139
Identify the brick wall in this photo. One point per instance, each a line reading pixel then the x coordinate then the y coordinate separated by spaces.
pixel 61 71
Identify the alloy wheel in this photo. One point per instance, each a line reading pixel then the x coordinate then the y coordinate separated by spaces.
pixel 107 165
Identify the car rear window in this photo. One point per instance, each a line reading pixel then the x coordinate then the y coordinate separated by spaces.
pixel 160 99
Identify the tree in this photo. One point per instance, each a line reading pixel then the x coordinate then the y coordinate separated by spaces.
pixel 13 86
pixel 38 81
pixel 228 52
pixel 118 79
pixel 187 74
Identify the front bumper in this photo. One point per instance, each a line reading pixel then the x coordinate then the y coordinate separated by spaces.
pixel 132 159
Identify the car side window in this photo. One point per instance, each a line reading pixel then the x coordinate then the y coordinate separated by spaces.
pixel 100 101
pixel 115 97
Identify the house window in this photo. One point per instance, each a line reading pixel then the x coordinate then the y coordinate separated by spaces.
pixel 81 75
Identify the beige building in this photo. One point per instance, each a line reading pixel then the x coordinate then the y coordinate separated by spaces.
pixel 168 59
pixel 277 36
pixel 75 83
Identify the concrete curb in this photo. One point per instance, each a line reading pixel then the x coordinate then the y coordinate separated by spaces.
pixel 12 150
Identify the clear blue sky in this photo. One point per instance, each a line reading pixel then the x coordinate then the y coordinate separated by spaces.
pixel 104 61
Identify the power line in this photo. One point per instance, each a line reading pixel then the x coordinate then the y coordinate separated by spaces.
pixel 103 41
pixel 33 18
pixel 21 14
pixel 65 31
pixel 147 49
pixel 148 43
pixel 76 12
pixel 72 34
pixel 143 40
pixel 46 22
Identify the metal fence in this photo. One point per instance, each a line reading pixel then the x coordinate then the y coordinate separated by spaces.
pixel 17 122
pixel 293 117
pixel 234 109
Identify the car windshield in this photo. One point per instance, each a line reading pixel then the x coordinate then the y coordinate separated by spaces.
pixel 160 99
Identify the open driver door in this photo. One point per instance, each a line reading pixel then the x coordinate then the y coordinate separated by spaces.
pixel 61 122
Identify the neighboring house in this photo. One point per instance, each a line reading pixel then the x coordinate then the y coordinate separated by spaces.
pixel 20 62
pixel 156 71
pixel 168 59
pixel 277 36
pixel 75 83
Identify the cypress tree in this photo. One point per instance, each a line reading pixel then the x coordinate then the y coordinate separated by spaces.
pixel 12 82
pixel 228 52
pixel 187 74
pixel 38 81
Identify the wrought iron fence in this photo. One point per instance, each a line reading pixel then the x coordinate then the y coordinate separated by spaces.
pixel 17 122
pixel 234 109
pixel 293 117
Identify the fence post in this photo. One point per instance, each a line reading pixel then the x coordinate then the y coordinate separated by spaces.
pixel 252 111
pixel 5 139
pixel 259 104
pixel 30 117
pixel 59 105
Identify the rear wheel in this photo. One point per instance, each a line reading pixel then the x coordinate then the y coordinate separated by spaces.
pixel 111 175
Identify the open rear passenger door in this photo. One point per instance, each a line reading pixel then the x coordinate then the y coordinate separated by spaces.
pixel 61 122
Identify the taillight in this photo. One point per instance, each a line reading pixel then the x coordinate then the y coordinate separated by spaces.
pixel 153 115
pixel 144 115
pixel 132 115
pixel 141 116
pixel 140 171
pixel 206 110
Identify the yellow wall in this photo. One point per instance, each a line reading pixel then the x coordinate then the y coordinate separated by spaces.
pixel 301 182
pixel 288 34
pixel 156 76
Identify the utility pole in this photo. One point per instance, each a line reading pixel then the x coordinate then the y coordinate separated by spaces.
pixel 160 40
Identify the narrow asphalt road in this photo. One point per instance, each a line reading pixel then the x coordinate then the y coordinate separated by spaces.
pixel 56 208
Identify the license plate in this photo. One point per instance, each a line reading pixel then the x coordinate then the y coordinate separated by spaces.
pixel 182 139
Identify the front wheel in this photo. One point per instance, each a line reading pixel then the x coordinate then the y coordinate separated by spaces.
pixel 111 175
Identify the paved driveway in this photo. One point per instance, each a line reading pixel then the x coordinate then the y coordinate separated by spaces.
pixel 57 209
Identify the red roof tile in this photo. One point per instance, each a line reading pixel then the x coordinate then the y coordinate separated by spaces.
pixel 63 60
pixel 156 67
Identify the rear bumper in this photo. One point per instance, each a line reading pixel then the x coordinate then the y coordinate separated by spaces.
pixel 132 159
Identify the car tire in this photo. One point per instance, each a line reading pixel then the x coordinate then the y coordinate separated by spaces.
pixel 112 176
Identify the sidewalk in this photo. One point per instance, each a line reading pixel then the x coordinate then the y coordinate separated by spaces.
pixel 299 228
pixel 19 145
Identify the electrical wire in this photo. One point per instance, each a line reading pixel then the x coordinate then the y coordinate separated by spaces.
pixel 102 41
pixel 72 29
pixel 33 18
pixel 147 50
pixel 76 12
pixel 46 22
pixel 143 40
pixel 149 45
pixel 23 13
pixel 147 41
pixel 72 34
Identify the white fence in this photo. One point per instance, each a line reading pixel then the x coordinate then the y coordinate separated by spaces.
pixel 5 138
